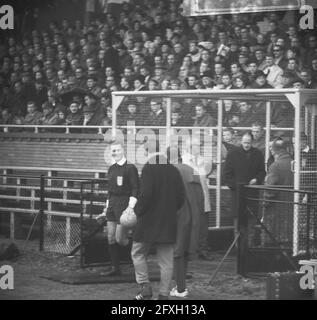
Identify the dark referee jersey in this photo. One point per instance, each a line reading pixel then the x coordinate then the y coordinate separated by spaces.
pixel 123 187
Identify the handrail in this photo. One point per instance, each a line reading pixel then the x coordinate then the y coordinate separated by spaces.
pixel 277 188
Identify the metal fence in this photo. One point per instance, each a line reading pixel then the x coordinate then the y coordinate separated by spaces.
pixel 266 225
pixel 47 209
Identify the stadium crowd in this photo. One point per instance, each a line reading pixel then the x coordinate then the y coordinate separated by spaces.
pixel 64 75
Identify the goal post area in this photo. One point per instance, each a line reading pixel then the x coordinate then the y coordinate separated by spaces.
pixel 199 121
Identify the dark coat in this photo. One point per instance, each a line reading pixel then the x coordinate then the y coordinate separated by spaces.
pixel 279 216
pixel 189 215
pixel 162 194
pixel 240 168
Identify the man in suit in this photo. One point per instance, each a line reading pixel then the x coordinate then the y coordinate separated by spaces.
pixel 162 194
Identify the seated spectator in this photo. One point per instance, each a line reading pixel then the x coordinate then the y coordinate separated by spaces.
pixel 75 117
pixel 61 116
pixel 50 117
pixel 33 117
pixel 292 67
pixel 240 82
pixel 229 110
pixel 131 115
pixel 157 115
pixel 95 107
pixel 246 114
pixel 226 80
pixel 93 87
pixel 306 76
pixel 6 116
pixel 177 118
pixel 272 71
pixel 202 118
pixel 260 81
pixel 278 55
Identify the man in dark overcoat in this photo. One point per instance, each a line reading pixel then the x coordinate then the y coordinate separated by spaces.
pixel 162 194
pixel 279 216
pixel 243 165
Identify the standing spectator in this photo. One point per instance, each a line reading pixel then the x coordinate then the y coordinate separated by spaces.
pixel 162 194
pixel 259 136
pixel 279 57
pixel 188 222
pixel 33 117
pixel 243 165
pixel 279 216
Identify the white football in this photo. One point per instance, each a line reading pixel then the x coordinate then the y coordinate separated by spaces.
pixel 128 219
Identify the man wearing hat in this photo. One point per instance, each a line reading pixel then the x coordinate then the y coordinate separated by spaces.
pixel 93 115
pixel 206 79
pixel 260 81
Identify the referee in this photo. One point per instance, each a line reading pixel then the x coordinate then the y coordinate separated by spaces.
pixel 123 189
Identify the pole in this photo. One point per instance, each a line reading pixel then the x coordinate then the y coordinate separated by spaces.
pixel 42 197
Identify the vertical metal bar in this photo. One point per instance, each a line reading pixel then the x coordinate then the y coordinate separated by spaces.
pixel 42 199
pixel 67 231
pixel 168 121
pixel 91 194
pixel 18 190
pixel 81 225
pixel 297 106
pixel 12 226
pixel 308 226
pixel 219 147
pixel 5 172
pixel 114 116
pixel 267 132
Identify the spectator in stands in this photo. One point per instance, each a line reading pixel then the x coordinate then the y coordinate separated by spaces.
pixel 92 86
pixel 247 115
pixel 157 115
pixel 94 114
pixel 228 142
pixel 305 75
pixel 279 57
pixel 229 110
pixel 260 81
pixel 131 115
pixel 226 80
pixel 202 118
pixel 33 117
pixel 273 72
pixel 75 117
pixel 50 116
pixel 259 136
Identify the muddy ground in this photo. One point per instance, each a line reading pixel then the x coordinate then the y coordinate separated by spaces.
pixel 31 266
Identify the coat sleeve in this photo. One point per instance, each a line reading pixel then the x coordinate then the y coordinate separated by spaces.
pixel 271 180
pixel 180 190
pixel 133 177
pixel 228 172
pixel 261 168
pixel 146 192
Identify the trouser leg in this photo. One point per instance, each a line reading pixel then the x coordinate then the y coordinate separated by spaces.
pixel 165 254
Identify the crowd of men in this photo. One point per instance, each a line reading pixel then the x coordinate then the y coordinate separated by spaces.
pixel 149 45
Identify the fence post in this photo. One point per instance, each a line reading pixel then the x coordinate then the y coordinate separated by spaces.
pixel 242 225
pixel 42 198
pixel 309 199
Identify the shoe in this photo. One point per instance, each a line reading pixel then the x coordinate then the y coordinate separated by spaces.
pixel 174 293
pixel 145 293
pixel 162 297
